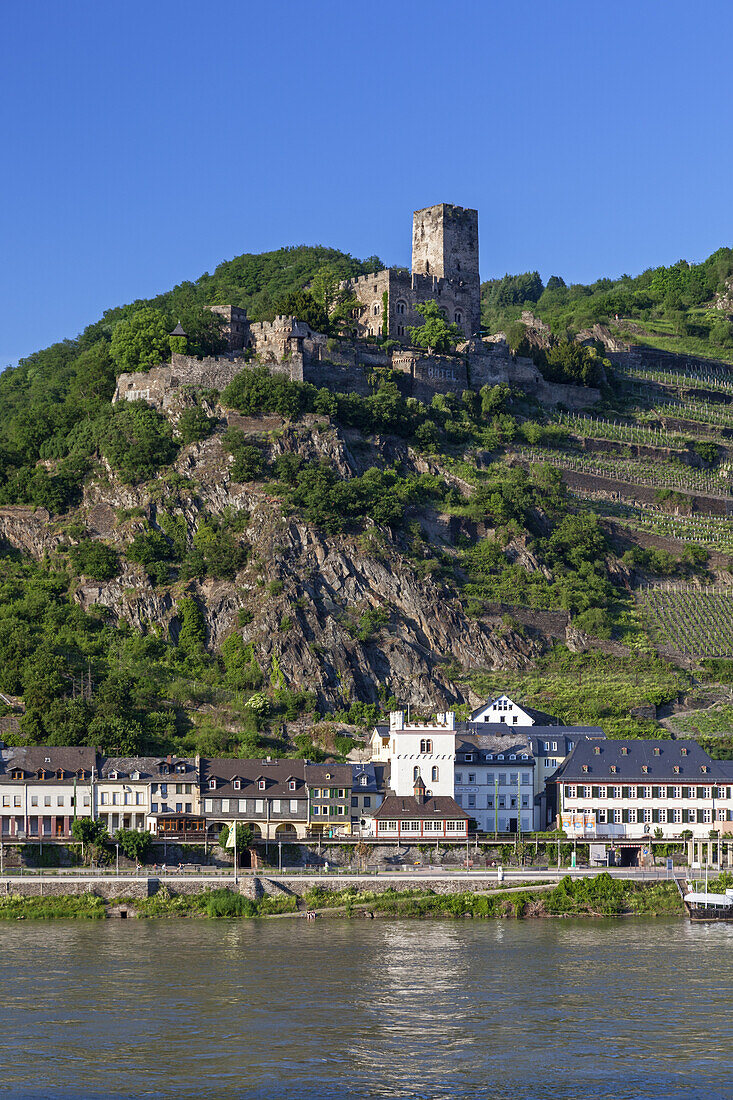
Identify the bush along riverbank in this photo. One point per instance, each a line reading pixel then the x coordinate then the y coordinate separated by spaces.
pixel 601 896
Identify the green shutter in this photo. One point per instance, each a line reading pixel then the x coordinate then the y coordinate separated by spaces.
pixel 624 792
pixel 670 792
pixel 625 816
pixel 700 792
pixel 716 793
pixel 656 792
pixel 594 791
pixel 655 815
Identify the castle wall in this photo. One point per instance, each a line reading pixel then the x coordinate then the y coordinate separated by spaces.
pixel 157 385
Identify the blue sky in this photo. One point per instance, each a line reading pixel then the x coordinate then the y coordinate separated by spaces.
pixel 143 143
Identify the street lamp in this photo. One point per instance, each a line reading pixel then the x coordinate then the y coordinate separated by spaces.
pixel 117 848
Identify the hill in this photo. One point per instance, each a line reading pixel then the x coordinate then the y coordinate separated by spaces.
pixel 257 569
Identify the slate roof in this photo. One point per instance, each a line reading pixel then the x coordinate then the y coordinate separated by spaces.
pixel 407 808
pixel 590 762
pixel 33 758
pixel 276 773
pixel 563 736
pixel 377 776
pixel 150 767
pixel 487 747
pixel 328 775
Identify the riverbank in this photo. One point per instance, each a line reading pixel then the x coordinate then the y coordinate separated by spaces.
pixel 600 896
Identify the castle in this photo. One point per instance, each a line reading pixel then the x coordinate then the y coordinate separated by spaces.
pixel 445 269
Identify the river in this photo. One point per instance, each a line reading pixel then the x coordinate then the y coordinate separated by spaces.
pixel 342 1009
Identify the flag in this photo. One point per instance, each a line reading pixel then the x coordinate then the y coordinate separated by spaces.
pixel 232 837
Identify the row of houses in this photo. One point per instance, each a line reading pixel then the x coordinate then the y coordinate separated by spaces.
pixel 44 789
pixel 508 769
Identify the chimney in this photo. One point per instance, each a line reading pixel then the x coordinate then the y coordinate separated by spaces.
pixel 419 790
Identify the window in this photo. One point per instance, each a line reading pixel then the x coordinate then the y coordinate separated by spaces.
pixel 259 806
pixel 276 803
pixel 570 792
pixel 155 807
pixel 179 807
pixel 647 792
pixel 364 781
pixel 472 801
pixel 707 816
pixel 434 775
pixel 587 792
pixel 677 792
pixel 208 806
pixel 212 784
pixel 459 777
pixel 663 817
pixel 617 792
pixel 472 777
pixel 46 800
pixel 677 817
pixel 34 800
pixel 293 805
pixel 415 773
pixel 225 805
pixel 426 746
pixel 617 817
pixel 237 784
pixel 410 826
pixel 647 817
pixel 603 792
pixel 261 784
pixel 632 816
pixel 458 317
pixel 367 801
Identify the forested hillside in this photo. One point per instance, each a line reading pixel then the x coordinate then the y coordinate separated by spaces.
pixel 266 567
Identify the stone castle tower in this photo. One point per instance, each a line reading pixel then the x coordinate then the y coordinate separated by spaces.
pixel 444 269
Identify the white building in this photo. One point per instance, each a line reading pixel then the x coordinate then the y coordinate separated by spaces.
pixel 494 782
pixel 425 750
pixel 504 711
pixel 43 790
pixel 618 789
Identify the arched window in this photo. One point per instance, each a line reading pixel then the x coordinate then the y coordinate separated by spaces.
pixel 458 316
pixel 376 309
pixel 400 307
pixel 415 773
pixel 426 746
pixel 435 776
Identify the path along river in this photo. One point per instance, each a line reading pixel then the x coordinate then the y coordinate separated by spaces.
pixel 342 1009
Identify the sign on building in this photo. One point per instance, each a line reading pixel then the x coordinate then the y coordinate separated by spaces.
pixel 578 824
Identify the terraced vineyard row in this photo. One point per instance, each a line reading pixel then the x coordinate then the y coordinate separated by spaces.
pixel 718 416
pixel 710 532
pixel 591 427
pixel 721 380
pixel 696 622
pixel 636 471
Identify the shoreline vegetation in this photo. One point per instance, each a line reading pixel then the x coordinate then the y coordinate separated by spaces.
pixel 601 896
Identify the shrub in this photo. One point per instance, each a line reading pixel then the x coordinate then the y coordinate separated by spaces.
pixel 194 425
pixel 95 559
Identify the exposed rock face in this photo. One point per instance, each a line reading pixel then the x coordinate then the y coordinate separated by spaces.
pixel 310 625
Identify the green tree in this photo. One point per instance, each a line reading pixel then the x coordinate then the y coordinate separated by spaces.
pixel 95 559
pixel 134 844
pixel 141 341
pixel 137 441
pixel 89 831
pixel 245 836
pixel 436 333
pixel 194 425
pixel 192 631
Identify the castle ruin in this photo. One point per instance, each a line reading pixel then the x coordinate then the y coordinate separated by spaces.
pixel 444 269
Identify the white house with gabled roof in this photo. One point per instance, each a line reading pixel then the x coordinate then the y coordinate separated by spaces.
pixel 504 711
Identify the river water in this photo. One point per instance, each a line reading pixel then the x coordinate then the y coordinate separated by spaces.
pixel 340 1009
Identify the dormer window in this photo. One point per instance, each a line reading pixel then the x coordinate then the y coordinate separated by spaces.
pixel 261 784
pixel 676 769
pixel 645 768
pixel 597 750
pixel 135 775
pixel 112 775
pixel 657 751
pixel 469 757
pixel 165 770
pixel 683 751
pixel 704 768
pixel 180 768
pixel 237 784
pixel 585 767
pixel 18 774
pixel 59 773
pixel 212 784
pixel 624 750
pixel 524 756
pixel 292 784
pixel 513 756
pixel 364 781
pixel 613 768
pixel 500 756
pixel 47 760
